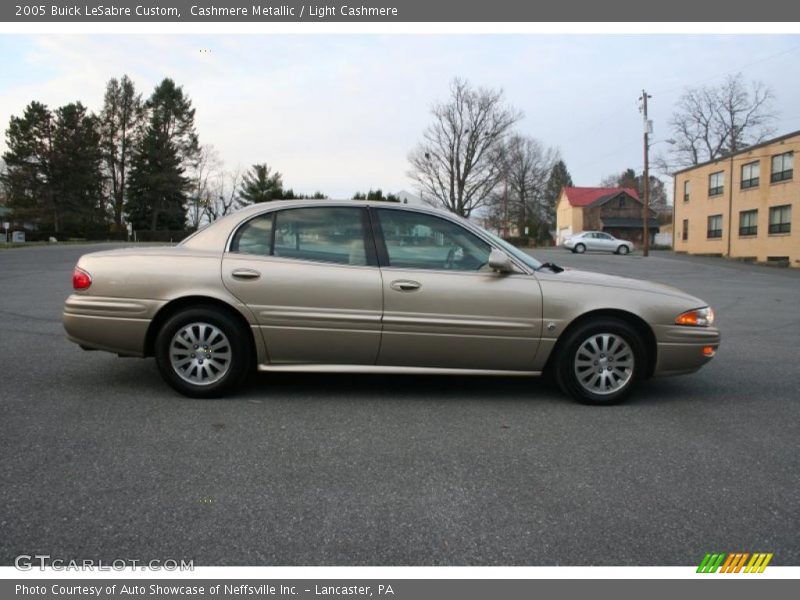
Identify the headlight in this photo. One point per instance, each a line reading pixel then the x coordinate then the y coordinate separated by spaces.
pixel 700 317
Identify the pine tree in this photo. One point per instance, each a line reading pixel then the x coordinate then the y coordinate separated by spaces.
pixel 54 173
pixel 376 195
pixel 121 121
pixel 76 169
pixel 260 184
pixel 156 185
pixel 28 159
pixel 559 179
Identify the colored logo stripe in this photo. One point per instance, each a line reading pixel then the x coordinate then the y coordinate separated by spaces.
pixel 733 562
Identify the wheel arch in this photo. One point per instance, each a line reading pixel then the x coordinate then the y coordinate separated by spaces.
pixel 635 321
pixel 178 304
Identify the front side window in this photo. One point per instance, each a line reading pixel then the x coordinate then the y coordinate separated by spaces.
pixel 750 175
pixel 782 167
pixel 321 234
pixel 780 219
pixel 420 241
pixel 716 183
pixel 748 222
pixel 715 226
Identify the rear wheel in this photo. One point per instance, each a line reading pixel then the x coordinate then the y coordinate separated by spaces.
pixel 623 249
pixel 579 248
pixel 203 352
pixel 601 361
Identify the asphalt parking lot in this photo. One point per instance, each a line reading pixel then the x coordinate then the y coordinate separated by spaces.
pixel 101 460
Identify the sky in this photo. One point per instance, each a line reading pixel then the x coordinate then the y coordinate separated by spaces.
pixel 340 113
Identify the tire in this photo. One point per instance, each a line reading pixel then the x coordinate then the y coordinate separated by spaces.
pixel 227 361
pixel 579 248
pixel 618 372
pixel 623 250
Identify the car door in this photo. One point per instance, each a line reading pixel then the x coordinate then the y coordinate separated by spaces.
pixel 310 276
pixel 605 242
pixel 593 242
pixel 443 305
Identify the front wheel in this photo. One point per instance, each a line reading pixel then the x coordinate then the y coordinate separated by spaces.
pixel 579 248
pixel 623 250
pixel 601 362
pixel 203 352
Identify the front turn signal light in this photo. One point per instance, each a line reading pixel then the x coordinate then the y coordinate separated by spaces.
pixel 700 317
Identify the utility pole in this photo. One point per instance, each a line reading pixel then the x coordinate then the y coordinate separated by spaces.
pixel 646 177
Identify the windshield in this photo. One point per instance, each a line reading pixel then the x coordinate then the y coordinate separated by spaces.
pixel 513 250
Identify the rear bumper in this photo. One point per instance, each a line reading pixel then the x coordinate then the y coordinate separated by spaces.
pixel 116 325
pixel 684 349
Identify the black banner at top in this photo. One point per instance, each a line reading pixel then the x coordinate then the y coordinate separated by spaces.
pixel 399 11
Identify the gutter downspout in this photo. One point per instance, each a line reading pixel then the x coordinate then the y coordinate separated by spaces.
pixel 730 211
pixel 674 209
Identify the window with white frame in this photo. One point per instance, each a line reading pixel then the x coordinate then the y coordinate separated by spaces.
pixel 750 175
pixel 748 222
pixel 715 226
pixel 782 167
pixel 780 219
pixel 716 183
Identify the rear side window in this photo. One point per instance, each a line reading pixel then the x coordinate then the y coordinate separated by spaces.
pixel 322 234
pixel 254 237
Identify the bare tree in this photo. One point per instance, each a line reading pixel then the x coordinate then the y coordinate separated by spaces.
pixel 629 179
pixel 455 165
pixel 526 166
pixel 205 169
pixel 710 122
pixel 224 193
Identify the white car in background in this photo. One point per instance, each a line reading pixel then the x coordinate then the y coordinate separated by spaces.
pixel 597 240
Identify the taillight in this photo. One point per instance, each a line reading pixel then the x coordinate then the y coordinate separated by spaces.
pixel 81 280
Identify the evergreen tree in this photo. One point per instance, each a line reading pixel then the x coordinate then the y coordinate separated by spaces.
pixel 559 179
pixel 29 158
pixel 157 186
pixel 77 169
pixel 376 195
pixel 54 172
pixel 121 121
pixel 260 184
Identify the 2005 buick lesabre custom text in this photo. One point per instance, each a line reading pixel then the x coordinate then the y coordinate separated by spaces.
pixel 377 287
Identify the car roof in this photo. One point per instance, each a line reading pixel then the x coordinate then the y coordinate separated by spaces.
pixel 216 234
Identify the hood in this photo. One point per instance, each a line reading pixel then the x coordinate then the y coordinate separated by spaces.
pixel 614 281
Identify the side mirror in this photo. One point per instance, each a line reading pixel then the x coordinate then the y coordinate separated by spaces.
pixel 500 261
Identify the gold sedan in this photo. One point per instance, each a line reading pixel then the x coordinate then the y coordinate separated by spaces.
pixel 377 287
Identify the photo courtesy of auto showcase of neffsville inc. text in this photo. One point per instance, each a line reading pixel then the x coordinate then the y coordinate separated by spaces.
pixel 404 301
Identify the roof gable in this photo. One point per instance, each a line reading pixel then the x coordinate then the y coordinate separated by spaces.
pixel 584 196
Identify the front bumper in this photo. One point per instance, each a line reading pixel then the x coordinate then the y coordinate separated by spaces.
pixel 116 325
pixel 683 349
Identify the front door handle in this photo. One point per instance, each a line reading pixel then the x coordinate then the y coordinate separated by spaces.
pixel 405 285
pixel 245 274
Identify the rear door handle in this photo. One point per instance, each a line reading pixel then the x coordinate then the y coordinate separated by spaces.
pixel 245 274
pixel 405 285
